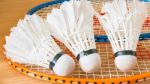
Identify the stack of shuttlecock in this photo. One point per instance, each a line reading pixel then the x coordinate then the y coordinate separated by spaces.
pixel 30 42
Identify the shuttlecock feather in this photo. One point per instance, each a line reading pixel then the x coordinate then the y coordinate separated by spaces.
pixel 122 25
pixel 30 42
pixel 72 25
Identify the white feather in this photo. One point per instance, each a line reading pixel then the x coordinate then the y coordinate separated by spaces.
pixel 122 25
pixel 30 42
pixel 72 24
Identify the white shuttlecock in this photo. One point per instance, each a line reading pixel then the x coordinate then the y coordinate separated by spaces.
pixel 30 42
pixel 72 24
pixel 122 25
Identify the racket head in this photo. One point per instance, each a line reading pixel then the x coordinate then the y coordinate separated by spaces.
pixel 108 73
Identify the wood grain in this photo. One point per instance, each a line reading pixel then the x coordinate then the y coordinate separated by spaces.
pixel 10 12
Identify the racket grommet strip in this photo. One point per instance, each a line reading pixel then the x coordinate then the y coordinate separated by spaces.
pixel 15 66
pixel 74 82
pixel 136 81
pixel 35 75
pixel 21 70
pixel 112 83
pixel 103 82
pixel 41 77
pixel 56 79
pixel 61 81
pixel 91 82
pixel 49 78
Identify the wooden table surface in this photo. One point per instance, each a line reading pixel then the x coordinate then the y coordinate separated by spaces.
pixel 10 12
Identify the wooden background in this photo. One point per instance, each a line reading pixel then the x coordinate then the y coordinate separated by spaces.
pixel 10 12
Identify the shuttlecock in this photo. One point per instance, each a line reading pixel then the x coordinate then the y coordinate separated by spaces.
pixel 122 25
pixel 30 42
pixel 72 25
